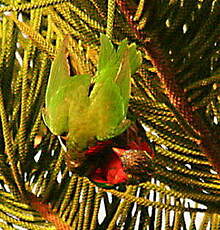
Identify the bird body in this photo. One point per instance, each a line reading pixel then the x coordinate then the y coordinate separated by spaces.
pixel 91 109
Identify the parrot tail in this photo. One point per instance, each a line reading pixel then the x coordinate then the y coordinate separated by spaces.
pixel 111 59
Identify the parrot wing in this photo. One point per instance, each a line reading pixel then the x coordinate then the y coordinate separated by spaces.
pixel 108 63
pixel 112 86
pixel 135 58
pixel 130 59
pixel 118 65
pixel 107 55
pixel 67 102
pixel 59 73
pixel 56 120
pixel 56 113
pixel 62 91
pixel 110 101
pixel 106 108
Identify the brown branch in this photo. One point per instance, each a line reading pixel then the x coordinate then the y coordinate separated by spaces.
pixel 128 13
pixel 208 140
pixel 46 212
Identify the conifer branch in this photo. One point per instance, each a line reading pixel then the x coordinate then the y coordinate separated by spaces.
pixel 207 139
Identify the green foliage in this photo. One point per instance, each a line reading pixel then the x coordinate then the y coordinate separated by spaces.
pixel 175 94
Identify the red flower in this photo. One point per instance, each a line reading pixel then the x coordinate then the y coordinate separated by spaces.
pixel 114 165
pixel 124 159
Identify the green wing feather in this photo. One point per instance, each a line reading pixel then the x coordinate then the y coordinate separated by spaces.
pixel 107 55
pixel 110 96
pixel 62 92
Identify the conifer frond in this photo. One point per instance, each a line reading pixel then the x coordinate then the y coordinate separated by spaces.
pixel 175 96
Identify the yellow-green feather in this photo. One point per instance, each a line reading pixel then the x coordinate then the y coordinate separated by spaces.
pixel 99 114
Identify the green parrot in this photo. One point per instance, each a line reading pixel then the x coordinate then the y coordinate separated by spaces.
pixel 90 109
